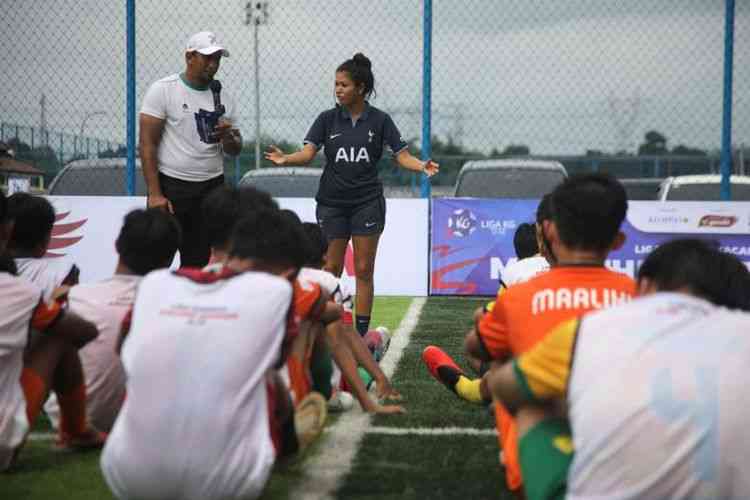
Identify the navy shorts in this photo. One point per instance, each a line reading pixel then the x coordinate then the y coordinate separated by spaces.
pixel 359 220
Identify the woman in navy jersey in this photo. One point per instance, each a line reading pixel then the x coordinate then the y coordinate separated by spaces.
pixel 350 196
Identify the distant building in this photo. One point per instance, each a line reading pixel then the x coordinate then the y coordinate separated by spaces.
pixel 17 175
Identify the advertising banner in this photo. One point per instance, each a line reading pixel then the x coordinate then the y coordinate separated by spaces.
pixel 472 239
pixel 87 226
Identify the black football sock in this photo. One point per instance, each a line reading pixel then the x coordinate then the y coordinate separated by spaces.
pixel 363 324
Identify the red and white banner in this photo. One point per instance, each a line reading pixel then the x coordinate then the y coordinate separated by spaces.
pixel 87 226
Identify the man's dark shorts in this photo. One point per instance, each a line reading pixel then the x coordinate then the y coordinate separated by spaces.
pixel 360 220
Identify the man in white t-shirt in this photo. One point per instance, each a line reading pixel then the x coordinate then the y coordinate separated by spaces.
pixel 185 129
pixel 206 415
pixel 147 241
pixel 652 390
pixel 27 373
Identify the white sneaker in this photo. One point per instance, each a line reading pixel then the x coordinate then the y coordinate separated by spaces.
pixel 385 335
pixel 340 401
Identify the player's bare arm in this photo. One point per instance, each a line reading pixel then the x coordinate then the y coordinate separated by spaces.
pixel 151 129
pixel 363 356
pixel 504 386
pixel 331 312
pixel 301 157
pixel 342 356
pixel 408 161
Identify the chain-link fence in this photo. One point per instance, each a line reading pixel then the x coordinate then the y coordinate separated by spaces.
pixel 630 87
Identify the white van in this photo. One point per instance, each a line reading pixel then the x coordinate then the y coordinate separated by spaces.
pixel 510 178
pixel 285 182
pixel 703 188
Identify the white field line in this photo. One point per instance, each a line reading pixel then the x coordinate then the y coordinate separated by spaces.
pixel 323 473
pixel 431 431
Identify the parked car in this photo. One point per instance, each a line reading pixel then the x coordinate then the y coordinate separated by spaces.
pixel 96 177
pixel 703 188
pixel 642 188
pixel 285 182
pixel 510 178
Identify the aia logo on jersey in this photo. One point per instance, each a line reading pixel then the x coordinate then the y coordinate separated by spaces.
pixel 61 234
pixel 351 155
pixel 462 223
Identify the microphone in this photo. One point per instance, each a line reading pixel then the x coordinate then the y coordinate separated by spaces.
pixel 215 87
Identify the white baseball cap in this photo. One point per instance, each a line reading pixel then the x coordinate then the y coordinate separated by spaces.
pixel 205 43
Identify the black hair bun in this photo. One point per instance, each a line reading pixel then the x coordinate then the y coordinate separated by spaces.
pixel 361 60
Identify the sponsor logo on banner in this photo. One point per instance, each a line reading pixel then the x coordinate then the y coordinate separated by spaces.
pixel 687 217
pixel 462 222
pixel 736 250
pixel 668 221
pixel 717 221
pixel 471 265
pixel 62 231
pixel 498 226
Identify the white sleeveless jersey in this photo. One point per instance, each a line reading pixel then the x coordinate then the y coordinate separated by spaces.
pixel 657 401
pixel 48 274
pixel 105 304
pixel 18 300
pixel 195 423
pixel 523 270
pixel 327 281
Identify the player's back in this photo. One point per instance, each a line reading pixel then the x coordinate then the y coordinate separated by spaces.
pixel 533 308
pixel 18 299
pixel 666 417
pixel 195 424
pixel 45 273
pixel 526 312
pixel 523 270
pixel 104 303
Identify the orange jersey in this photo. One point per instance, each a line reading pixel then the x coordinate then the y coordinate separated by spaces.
pixel 45 315
pixel 305 299
pixel 526 312
pixel 305 311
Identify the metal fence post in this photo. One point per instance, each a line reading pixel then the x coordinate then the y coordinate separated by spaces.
pixel 726 128
pixel 130 85
pixel 426 93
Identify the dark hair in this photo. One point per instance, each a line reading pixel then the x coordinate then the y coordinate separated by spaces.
pixel 700 266
pixel 269 236
pixel 291 216
pixel 148 240
pixel 544 209
pixel 359 68
pixel 3 207
pixel 7 264
pixel 34 217
pixel 524 241
pixel 225 206
pixel 318 244
pixel 588 210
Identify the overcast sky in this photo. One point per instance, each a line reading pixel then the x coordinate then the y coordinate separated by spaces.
pixel 561 77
